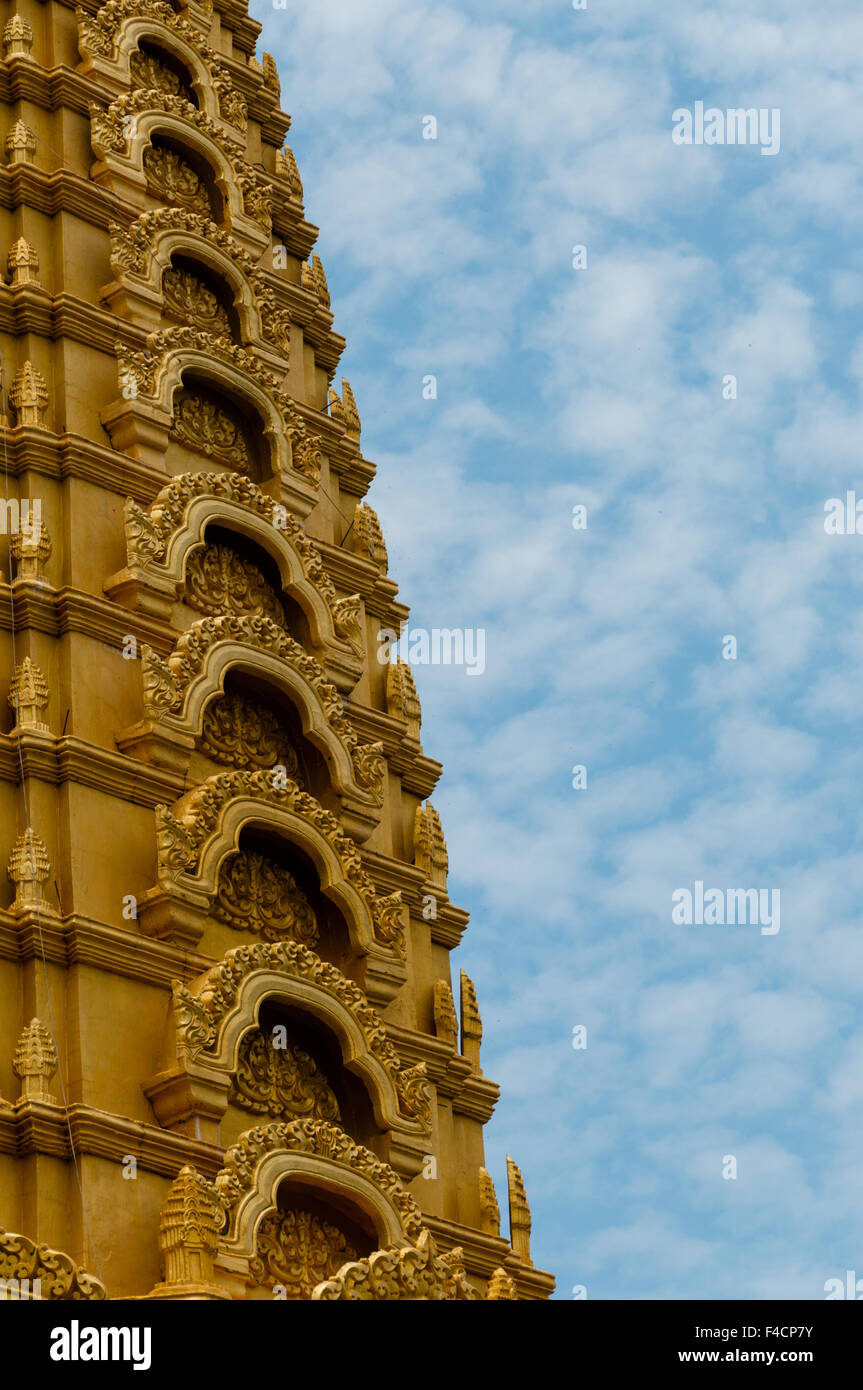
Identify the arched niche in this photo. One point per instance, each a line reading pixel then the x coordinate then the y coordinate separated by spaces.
pixel 199 505
pixel 275 1167
pixel 214 429
pixel 268 890
pixel 289 1064
pixel 181 177
pixel 238 196
pixel 280 453
pixel 205 825
pixel 110 40
pixel 232 572
pixel 229 1049
pixel 305 1240
pixel 249 650
pixel 193 294
pixel 249 722
pixel 140 253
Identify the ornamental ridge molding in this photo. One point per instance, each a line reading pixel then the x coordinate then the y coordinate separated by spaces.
pixel 317 1139
pixel 401 1276
pixel 60 1279
pixel 182 832
pixel 200 1012
pixel 149 369
pixel 100 36
pixel 167 684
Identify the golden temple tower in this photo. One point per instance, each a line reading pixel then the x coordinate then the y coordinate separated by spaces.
pixel 231 1063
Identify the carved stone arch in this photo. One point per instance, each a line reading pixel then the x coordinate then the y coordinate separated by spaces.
pixel 177 692
pixel 318 1156
pixel 140 422
pixel 197 834
pixel 121 135
pixel 140 254
pixel 109 38
pixel 159 542
pixel 215 1013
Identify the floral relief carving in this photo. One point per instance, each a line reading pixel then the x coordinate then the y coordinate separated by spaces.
pixel 219 581
pixel 59 1276
pixel 164 683
pixel 189 299
pixel 171 177
pixel 149 72
pixel 241 732
pixel 298 1250
pixel 147 367
pixel 199 1013
pixel 256 894
pixel 201 425
pixel 282 1082
pixel 401 1276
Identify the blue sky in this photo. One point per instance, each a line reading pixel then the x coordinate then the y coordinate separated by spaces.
pixel 603 386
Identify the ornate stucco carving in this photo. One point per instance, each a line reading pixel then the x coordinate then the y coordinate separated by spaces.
pixel 114 132
pixel 22 263
pixel 221 582
pixel 286 168
pixel 31 547
pixel 59 1277
pixel 445 1017
pixel 203 426
pixel 29 396
pixel 21 143
pixel 148 533
pixel 201 1011
pixel 256 894
pixel 402 698
pixel 285 1083
pixel 100 36
pixel 149 72
pixel 406 1275
pixel 17 37
pixel 318 1139
pixel 488 1206
pixel 173 178
pixel 471 1021
pixel 366 537
pixel 182 832
pixel 151 373
pixel 191 1223
pixel 298 1250
pixel 190 300
pixel 238 731
pixel 167 684
pixel 28 695
pixel 501 1288
pixel 138 251
pixel 28 868
pixel 315 279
